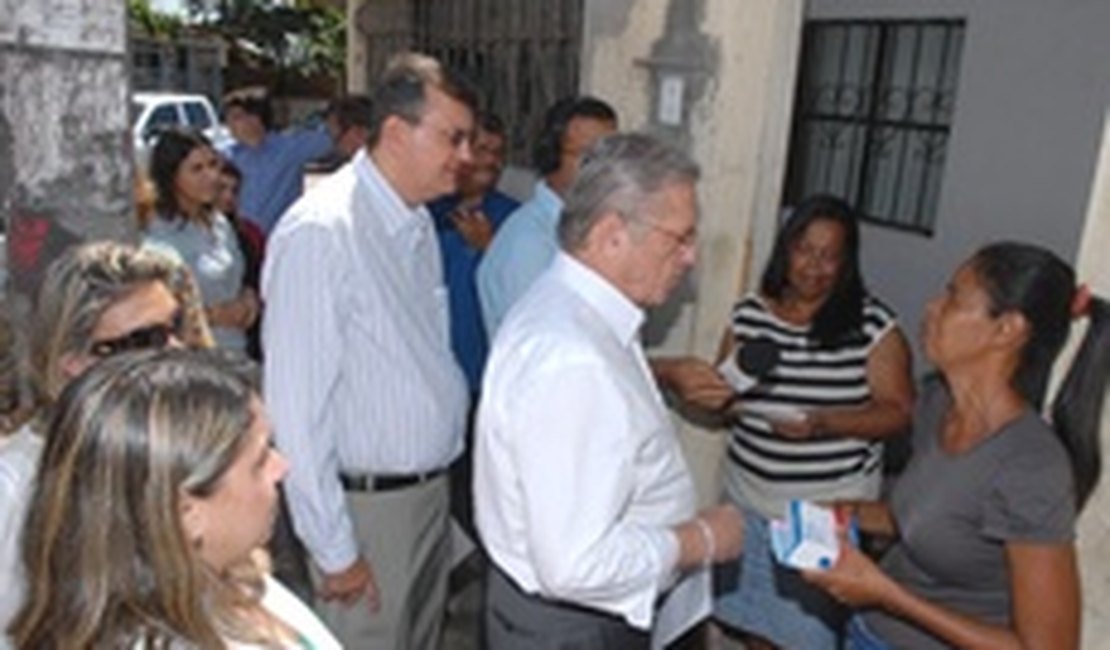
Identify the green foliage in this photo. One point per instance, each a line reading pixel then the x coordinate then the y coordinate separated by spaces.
pixel 307 38
pixel 151 22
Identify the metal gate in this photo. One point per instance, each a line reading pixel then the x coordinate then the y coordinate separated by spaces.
pixel 522 56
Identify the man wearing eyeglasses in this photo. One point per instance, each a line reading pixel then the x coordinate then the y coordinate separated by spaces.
pixel 583 499
pixel 524 247
pixel 367 400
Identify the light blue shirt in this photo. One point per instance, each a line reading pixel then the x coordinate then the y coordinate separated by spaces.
pixel 521 250
pixel 273 172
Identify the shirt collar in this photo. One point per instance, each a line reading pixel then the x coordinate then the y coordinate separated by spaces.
pixel 398 215
pixel 622 315
pixel 545 198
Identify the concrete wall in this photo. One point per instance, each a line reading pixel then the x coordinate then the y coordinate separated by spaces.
pixel 1093 267
pixel 65 158
pixel 744 55
pixel 1033 86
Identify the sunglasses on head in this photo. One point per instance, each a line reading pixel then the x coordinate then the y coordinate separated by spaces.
pixel 150 337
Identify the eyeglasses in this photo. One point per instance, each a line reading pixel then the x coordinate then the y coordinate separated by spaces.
pixel 454 136
pixel 151 337
pixel 684 240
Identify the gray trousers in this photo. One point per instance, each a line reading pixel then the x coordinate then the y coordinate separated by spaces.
pixel 404 535
pixel 516 620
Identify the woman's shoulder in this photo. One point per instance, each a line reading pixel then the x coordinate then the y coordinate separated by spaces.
pixel 876 309
pixel 279 601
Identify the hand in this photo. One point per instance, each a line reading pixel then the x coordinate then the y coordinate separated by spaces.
pixel 727 525
pixel 854 580
pixel 474 226
pixel 249 306
pixel 350 584
pixel 239 312
pixel 694 381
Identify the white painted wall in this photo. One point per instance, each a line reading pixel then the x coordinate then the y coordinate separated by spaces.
pixel 1034 85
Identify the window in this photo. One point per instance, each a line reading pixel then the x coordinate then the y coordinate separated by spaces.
pixel 523 56
pixel 160 119
pixel 873 112
pixel 197 115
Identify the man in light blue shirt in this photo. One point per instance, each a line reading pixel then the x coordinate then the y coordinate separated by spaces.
pixel 525 245
pixel 272 162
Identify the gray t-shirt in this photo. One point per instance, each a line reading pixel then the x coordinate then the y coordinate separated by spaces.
pixel 215 259
pixel 956 513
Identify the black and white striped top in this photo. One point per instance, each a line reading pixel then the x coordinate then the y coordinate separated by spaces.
pixel 766 470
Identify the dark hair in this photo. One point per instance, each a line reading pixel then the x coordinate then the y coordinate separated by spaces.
pixel 490 123
pixel 548 152
pixel 254 101
pixel 228 168
pixel 402 90
pixel 351 111
pixel 1041 287
pixel 842 313
pixel 173 146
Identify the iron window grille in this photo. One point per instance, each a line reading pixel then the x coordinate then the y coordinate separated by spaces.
pixel 873 114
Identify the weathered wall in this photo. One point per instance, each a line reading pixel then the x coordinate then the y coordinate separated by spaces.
pixel 1033 87
pixel 743 56
pixel 1093 267
pixel 65 165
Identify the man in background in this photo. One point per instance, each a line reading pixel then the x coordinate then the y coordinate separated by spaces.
pixel 465 224
pixel 272 163
pixel 526 244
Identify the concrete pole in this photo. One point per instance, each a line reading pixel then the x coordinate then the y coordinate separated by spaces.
pixel 65 159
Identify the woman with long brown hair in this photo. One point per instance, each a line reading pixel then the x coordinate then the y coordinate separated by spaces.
pixel 984 514
pixel 184 168
pixel 96 300
pixel 158 483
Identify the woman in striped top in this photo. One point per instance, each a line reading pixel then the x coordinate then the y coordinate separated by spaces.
pixel 812 428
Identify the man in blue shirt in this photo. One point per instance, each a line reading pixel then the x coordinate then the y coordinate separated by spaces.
pixel 272 162
pixel 526 245
pixel 465 224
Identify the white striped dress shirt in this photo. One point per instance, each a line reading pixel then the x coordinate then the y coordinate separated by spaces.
pixel 359 374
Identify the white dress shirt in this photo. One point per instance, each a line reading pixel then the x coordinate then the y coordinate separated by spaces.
pixel 19 462
pixel 579 477
pixel 359 373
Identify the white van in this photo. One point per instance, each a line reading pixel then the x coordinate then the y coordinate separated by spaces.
pixel 154 112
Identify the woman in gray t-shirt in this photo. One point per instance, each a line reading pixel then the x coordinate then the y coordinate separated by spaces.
pixel 984 513
pixel 185 170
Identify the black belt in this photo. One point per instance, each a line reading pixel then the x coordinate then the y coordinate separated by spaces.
pixel 385 482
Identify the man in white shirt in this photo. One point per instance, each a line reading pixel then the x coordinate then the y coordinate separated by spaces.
pixel 367 400
pixel 584 500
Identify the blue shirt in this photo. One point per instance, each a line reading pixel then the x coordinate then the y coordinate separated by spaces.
pixel 273 172
pixel 460 264
pixel 520 252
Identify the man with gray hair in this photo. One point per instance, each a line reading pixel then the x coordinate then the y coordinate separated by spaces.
pixel 584 501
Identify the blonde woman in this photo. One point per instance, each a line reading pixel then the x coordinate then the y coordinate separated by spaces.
pixel 158 484
pixel 96 300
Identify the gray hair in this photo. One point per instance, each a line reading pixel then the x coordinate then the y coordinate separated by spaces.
pixel 619 174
